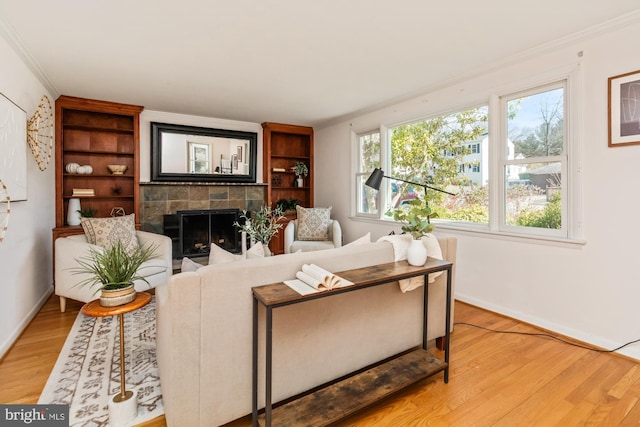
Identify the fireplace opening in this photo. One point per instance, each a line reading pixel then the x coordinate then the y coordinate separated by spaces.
pixel 194 231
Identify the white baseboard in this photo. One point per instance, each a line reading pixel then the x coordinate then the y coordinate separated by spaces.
pixel 4 348
pixel 596 341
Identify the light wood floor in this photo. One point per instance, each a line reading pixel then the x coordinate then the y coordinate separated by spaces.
pixel 495 379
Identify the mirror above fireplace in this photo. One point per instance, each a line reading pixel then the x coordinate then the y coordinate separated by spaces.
pixel 196 154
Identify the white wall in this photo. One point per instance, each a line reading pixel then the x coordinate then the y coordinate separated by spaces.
pixel 149 116
pixel 25 253
pixel 590 292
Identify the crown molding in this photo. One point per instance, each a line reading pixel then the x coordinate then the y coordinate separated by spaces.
pixel 9 34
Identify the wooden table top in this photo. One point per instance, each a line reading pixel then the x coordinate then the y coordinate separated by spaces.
pixel 277 294
pixel 94 309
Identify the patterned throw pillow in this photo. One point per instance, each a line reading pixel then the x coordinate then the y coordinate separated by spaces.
pixel 108 231
pixel 313 223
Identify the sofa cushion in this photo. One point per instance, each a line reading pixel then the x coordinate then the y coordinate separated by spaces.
pixel 313 223
pixel 217 255
pixel 108 231
pixel 310 245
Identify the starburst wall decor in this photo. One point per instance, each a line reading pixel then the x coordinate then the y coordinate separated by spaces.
pixel 40 133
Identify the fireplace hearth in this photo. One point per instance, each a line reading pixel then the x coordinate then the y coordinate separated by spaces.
pixel 193 231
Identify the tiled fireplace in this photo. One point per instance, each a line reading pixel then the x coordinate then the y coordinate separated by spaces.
pixel 168 198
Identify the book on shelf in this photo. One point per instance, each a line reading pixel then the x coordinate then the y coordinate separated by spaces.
pixel 278 170
pixel 312 279
pixel 83 192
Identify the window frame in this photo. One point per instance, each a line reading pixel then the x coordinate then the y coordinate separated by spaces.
pixel 364 175
pixel 503 162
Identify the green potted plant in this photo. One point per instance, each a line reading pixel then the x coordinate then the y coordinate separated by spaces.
pixel 87 212
pixel 287 206
pixel 113 270
pixel 262 225
pixel 300 169
pixel 415 218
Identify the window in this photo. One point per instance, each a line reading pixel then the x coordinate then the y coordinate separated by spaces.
pixel 199 158
pixel 367 199
pixel 444 152
pixel 515 180
pixel 534 160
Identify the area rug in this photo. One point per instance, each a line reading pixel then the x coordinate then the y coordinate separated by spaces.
pixel 87 372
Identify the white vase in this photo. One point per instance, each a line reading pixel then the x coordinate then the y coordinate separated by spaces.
pixel 417 253
pixel 73 214
pixel 267 251
pixel 265 247
pixel 300 182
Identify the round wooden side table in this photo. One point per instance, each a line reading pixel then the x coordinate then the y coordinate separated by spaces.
pixel 94 309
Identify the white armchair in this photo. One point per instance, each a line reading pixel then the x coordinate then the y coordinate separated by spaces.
pixel 67 249
pixel 292 244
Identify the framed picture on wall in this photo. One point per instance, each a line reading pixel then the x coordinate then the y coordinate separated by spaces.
pixel 624 109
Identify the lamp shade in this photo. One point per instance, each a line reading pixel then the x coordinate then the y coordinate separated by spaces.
pixel 375 179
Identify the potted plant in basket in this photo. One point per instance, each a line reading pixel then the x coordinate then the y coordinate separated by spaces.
pixel 415 218
pixel 262 225
pixel 300 169
pixel 113 270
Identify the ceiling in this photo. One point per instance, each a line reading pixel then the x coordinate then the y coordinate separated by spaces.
pixel 291 61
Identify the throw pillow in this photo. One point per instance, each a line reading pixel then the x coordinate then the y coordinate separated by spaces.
pixel 217 255
pixel 434 251
pixel 189 265
pixel 108 231
pixel 313 223
pixel 361 240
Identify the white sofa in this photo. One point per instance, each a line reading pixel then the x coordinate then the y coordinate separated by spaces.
pixel 67 249
pixel 204 330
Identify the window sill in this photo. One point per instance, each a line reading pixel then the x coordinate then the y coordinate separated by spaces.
pixel 476 231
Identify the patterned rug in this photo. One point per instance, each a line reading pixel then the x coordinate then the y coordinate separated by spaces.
pixel 87 373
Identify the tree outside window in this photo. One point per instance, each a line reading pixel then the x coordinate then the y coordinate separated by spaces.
pixel 440 152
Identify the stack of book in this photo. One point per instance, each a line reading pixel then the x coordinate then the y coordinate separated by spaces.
pixel 83 192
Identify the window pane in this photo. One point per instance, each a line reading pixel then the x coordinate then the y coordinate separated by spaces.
pixel 534 198
pixel 369 150
pixel 367 197
pixel 535 125
pixel 447 152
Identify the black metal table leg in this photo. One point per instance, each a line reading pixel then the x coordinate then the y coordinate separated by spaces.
pixel 268 366
pixel 447 335
pixel 254 383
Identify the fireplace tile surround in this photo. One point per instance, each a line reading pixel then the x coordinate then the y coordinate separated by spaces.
pixel 158 199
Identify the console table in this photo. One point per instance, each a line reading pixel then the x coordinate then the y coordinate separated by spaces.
pixel 336 400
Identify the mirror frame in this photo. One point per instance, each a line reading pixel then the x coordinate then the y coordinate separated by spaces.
pixel 156 154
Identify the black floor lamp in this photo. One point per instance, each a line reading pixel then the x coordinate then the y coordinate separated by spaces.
pixel 375 179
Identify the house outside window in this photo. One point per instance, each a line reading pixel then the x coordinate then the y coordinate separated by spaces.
pixel 513 181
